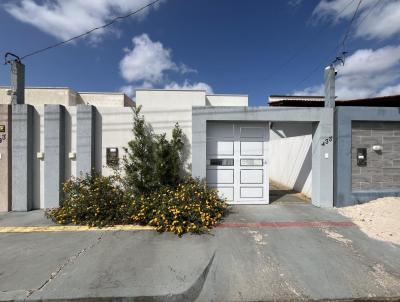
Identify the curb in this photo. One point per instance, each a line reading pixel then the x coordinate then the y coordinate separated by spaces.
pixel 72 228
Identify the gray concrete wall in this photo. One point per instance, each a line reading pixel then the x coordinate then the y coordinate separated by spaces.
pixel 5 158
pixel 39 137
pixel 322 139
pixel 54 154
pixel 22 157
pixel 382 171
pixel 345 142
pixel 85 139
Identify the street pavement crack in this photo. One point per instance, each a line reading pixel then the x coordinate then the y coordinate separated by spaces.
pixel 69 260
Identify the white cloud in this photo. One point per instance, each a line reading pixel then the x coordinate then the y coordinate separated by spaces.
pixel 371 61
pixel 390 90
pixel 313 90
pixel 375 20
pixel 147 61
pixel 187 85
pixel 366 73
pixel 146 65
pixel 130 90
pixel 381 23
pixel 64 19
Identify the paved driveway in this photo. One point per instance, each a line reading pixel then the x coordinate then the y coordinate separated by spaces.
pixel 283 251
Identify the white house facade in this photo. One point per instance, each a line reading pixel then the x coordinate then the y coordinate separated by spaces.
pixel 59 133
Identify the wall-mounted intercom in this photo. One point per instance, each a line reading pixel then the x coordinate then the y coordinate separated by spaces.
pixel 361 157
pixel 112 158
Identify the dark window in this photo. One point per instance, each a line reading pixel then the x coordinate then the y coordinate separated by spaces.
pixel 221 162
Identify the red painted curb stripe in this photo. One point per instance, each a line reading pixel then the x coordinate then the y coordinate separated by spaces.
pixel 288 224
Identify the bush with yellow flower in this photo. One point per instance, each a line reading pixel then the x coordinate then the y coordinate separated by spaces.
pixel 190 207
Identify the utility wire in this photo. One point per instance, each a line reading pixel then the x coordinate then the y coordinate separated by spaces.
pixel 116 19
pixel 349 27
pixel 369 12
pixel 304 47
pixel 346 35
pixel 372 8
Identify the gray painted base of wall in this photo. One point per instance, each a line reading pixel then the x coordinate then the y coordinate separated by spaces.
pixel 362 197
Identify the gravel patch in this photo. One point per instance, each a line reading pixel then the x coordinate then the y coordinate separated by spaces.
pixel 379 219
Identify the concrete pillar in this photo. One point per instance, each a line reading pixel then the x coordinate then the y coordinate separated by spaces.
pixel 329 75
pixel 5 158
pixel 22 157
pixel 322 162
pixel 85 139
pixel 54 154
pixel 17 82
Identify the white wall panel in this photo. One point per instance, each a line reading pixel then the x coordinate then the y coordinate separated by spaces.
pixel 252 132
pixel 220 130
pixel 225 192
pixel 220 176
pixel 251 148
pixel 251 176
pixel 290 155
pixel 251 192
pixel 219 147
pixel 114 128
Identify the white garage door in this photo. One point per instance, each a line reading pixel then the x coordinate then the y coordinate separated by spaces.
pixel 237 161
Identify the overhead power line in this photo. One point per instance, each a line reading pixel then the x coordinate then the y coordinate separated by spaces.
pixel 346 35
pixel 370 11
pixel 111 22
pixel 303 47
pixel 342 45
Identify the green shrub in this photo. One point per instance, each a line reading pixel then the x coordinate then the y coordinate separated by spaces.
pixel 92 200
pixel 168 158
pixel 190 207
pixel 139 161
pixel 151 161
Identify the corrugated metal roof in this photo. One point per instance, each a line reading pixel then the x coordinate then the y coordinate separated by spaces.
pixel 383 101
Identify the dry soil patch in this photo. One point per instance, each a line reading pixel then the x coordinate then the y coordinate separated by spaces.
pixel 379 219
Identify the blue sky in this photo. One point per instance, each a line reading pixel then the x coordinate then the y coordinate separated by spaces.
pixel 250 47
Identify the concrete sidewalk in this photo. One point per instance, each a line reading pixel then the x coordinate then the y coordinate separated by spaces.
pixel 268 261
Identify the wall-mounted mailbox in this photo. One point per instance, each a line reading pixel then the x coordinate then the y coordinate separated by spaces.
pixel 361 157
pixel 112 158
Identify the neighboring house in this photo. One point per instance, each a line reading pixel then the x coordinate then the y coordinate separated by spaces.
pixel 337 156
pixel 68 97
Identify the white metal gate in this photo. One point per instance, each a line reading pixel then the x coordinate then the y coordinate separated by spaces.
pixel 237 161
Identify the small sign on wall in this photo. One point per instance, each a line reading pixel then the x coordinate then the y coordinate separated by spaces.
pixel 3 135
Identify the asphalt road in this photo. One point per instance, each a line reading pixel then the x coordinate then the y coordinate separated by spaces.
pixel 275 252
